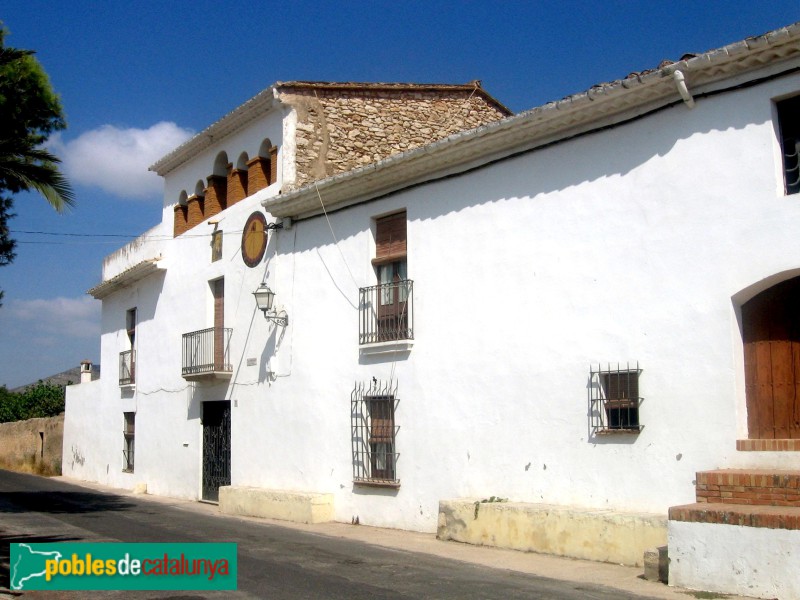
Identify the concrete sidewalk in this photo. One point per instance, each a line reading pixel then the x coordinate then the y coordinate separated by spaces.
pixel 623 578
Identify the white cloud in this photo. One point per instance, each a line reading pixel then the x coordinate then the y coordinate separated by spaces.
pixel 116 160
pixel 55 318
pixel 43 337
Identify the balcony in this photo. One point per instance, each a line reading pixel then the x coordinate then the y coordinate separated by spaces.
pixel 206 354
pixel 127 367
pixel 386 313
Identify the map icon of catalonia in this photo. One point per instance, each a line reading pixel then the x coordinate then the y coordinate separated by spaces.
pixel 27 563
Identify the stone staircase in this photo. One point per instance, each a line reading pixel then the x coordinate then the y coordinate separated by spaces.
pixel 751 487
pixel 741 536
pixel 747 497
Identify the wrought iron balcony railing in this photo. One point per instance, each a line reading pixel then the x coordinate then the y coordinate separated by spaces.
pixel 207 353
pixel 386 312
pixel 127 367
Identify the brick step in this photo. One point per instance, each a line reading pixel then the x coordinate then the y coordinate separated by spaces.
pixel 751 487
pixel 767 517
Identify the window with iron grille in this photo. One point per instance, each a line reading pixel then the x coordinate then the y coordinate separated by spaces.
pixel 372 415
pixel 789 125
pixel 386 309
pixel 614 399
pixel 128 435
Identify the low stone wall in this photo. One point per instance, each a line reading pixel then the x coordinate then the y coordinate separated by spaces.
pixel 32 446
pixel 601 535
pixel 300 507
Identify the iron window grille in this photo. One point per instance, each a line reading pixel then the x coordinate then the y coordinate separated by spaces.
pixel 127 367
pixel 614 399
pixel 207 351
pixel 386 312
pixel 789 125
pixel 374 433
pixel 128 437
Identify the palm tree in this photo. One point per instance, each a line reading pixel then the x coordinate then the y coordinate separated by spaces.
pixel 29 111
pixel 23 168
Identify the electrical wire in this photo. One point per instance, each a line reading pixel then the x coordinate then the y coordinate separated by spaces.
pixel 335 240
pixel 447 124
pixel 86 238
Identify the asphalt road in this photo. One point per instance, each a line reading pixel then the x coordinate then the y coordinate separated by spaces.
pixel 274 562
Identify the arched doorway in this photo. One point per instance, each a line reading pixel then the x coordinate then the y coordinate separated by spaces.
pixel 771 328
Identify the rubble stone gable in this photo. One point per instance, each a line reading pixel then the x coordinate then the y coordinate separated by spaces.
pixel 342 128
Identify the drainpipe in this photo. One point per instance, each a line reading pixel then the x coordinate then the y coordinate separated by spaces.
pixel 680 81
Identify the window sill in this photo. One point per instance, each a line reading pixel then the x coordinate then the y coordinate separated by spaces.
pixel 386 347
pixel 129 471
pixel 127 386
pixel 380 484
pixel 622 430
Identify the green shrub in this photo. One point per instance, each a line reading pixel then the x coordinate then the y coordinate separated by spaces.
pixel 38 400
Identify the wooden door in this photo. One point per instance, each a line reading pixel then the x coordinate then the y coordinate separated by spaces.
pixel 771 324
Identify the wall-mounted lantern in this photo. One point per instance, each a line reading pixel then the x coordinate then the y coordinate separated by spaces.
pixel 264 299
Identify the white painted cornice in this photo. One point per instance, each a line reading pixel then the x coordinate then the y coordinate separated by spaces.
pixel 602 105
pixel 233 121
pixel 127 277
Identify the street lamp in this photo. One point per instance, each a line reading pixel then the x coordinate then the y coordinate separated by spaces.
pixel 264 299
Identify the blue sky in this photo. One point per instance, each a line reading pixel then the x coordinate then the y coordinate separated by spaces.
pixel 137 78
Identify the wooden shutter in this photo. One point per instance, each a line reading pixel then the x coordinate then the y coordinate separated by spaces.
pixel 218 288
pixel 381 420
pixel 390 236
pixel 622 385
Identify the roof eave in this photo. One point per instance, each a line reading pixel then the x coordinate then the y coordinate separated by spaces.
pixel 599 106
pixel 137 272
pixel 231 122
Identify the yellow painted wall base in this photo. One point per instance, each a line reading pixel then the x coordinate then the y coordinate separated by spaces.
pixel 591 534
pixel 300 507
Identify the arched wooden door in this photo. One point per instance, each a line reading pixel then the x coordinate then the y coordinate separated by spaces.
pixel 771 324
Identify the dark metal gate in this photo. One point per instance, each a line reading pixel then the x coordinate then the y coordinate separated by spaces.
pixel 216 448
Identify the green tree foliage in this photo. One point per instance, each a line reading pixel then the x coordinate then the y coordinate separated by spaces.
pixel 30 111
pixel 39 400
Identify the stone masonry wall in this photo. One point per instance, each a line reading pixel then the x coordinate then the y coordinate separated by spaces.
pixel 340 130
pixel 32 446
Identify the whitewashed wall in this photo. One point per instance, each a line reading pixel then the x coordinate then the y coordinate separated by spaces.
pixel 634 244
pixel 627 245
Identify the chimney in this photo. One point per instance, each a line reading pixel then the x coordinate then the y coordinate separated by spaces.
pixel 86 371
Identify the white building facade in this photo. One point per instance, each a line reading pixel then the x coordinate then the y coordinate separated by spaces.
pixel 584 305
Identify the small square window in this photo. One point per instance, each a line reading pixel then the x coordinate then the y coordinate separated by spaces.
pixel 614 399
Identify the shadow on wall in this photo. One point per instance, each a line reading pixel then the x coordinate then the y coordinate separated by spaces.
pixel 588 157
pixel 148 293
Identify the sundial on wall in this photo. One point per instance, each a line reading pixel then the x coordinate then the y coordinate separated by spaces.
pixel 254 239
